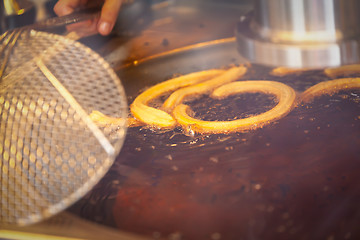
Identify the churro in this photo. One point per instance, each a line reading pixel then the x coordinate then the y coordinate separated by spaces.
pixel 284 71
pixel 201 88
pixel 173 112
pixel 156 117
pixel 103 120
pixel 346 69
pixel 284 94
pixel 329 87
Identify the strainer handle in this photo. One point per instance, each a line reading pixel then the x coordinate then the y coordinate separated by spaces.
pixel 75 17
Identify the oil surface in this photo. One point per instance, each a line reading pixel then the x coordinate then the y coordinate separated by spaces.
pixel 296 178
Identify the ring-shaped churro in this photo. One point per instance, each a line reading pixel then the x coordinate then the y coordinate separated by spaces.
pixel 204 87
pixel 156 117
pixel 285 95
pixel 329 87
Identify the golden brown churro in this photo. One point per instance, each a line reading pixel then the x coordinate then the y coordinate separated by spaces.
pixel 103 120
pixel 201 88
pixel 283 71
pixel 347 69
pixel 204 82
pixel 285 95
pixel 156 117
pixel 329 87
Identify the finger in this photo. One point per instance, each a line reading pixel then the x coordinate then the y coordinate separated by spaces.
pixel 64 7
pixel 109 13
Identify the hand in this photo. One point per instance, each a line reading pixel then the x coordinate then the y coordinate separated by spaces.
pixel 103 25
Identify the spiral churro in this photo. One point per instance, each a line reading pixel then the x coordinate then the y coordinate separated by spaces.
pixel 329 87
pixel 178 96
pixel 173 112
pixel 285 95
pixel 156 117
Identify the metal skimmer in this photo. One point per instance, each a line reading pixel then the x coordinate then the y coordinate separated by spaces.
pixel 51 153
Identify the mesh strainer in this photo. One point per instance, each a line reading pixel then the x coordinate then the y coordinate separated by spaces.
pixel 51 153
